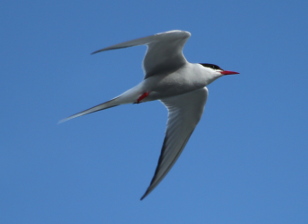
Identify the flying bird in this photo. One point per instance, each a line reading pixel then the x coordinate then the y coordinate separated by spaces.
pixel 178 84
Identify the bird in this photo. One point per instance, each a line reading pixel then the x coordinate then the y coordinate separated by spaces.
pixel 180 85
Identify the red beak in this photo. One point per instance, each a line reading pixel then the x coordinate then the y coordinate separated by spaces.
pixel 229 73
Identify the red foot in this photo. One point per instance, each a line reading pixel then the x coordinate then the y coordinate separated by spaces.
pixel 144 95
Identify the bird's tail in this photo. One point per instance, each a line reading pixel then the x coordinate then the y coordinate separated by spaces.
pixel 129 96
pixel 102 106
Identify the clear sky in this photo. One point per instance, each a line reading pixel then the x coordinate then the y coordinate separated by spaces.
pixel 246 161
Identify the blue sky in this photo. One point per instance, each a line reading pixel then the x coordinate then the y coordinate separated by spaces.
pixel 246 161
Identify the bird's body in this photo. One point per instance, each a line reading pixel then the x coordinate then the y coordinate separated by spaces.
pixel 178 84
pixel 188 78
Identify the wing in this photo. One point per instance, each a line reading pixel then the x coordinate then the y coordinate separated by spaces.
pixel 184 113
pixel 164 53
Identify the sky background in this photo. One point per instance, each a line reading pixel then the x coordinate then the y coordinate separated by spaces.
pixel 246 161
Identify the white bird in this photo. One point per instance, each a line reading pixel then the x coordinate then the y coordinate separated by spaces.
pixel 178 84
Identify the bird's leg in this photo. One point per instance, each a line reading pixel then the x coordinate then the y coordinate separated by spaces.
pixel 144 95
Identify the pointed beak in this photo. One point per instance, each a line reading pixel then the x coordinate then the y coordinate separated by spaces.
pixel 229 73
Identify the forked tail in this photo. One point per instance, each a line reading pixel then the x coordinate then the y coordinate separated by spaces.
pixel 133 95
pixel 102 106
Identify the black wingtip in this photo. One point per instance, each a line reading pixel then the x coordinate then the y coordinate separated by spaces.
pixel 100 50
pixel 143 196
pixel 94 52
pixel 147 192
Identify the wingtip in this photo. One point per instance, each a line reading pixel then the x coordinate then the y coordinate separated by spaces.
pixel 94 52
pixel 144 195
pixel 68 118
pixel 147 192
pixel 63 120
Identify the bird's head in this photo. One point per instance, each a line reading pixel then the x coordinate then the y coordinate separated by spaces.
pixel 214 71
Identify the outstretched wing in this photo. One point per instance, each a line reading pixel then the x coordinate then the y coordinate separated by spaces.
pixel 164 53
pixel 184 113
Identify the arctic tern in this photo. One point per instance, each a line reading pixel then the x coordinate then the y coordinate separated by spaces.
pixel 178 84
